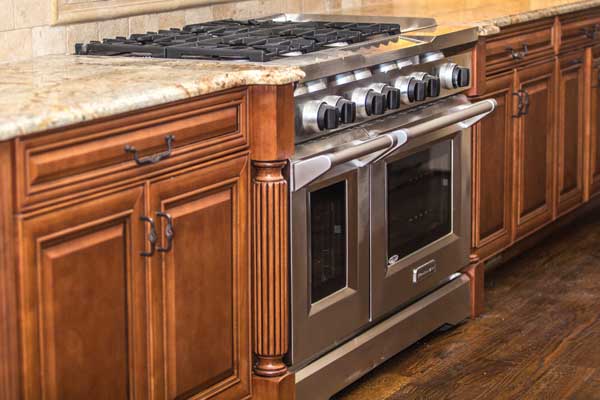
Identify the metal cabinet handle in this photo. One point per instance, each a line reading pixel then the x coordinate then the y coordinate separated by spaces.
pixel 154 158
pixel 169 232
pixel 307 170
pixel 152 237
pixel 519 54
pixel 591 33
pixel 523 103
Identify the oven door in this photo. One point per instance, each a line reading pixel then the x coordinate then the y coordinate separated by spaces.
pixel 330 260
pixel 421 209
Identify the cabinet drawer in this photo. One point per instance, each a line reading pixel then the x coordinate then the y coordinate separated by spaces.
pixel 84 158
pixel 580 30
pixel 518 45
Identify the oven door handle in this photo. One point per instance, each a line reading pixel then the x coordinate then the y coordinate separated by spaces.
pixel 307 170
pixel 463 118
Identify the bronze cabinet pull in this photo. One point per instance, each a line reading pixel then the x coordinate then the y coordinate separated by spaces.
pixel 519 54
pixel 154 158
pixel 169 232
pixel 591 33
pixel 523 103
pixel 152 237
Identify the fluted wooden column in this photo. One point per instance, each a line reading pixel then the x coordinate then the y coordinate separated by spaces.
pixel 270 279
pixel 272 138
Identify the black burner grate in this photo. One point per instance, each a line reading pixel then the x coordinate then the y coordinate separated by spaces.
pixel 250 40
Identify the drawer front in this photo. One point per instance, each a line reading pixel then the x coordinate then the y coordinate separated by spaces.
pixel 580 30
pixel 85 158
pixel 519 45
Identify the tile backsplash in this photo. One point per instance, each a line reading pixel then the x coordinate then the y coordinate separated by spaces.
pixel 25 29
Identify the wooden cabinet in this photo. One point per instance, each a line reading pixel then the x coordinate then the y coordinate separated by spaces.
pixel 84 300
pixel 101 318
pixel 201 283
pixel 534 146
pixel 492 171
pixel 570 132
pixel 593 148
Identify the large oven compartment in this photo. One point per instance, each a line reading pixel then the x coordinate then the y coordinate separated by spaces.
pixel 420 218
pixel 330 261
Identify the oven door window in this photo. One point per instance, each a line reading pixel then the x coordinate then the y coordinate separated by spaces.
pixel 419 200
pixel 328 240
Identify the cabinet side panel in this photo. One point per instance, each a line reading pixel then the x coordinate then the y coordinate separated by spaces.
pixel 9 357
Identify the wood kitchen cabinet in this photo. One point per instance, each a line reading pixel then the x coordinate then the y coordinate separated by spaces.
pixel 492 170
pixel 84 300
pixel 200 280
pixel 570 132
pixel 534 146
pixel 593 144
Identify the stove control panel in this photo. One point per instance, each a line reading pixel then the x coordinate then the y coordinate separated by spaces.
pixel 327 105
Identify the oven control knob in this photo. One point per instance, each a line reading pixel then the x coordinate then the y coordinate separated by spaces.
pixel 454 76
pixel 432 83
pixel 346 109
pixel 411 89
pixel 318 116
pixel 390 94
pixel 368 102
pixel 327 117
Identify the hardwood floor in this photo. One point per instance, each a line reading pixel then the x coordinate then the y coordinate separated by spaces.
pixel 538 339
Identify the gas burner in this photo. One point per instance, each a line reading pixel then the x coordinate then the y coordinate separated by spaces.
pixel 251 40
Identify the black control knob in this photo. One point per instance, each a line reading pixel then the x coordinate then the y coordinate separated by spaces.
pixel 453 76
pixel 392 97
pixel 416 90
pixel 327 117
pixel 433 84
pixel 463 77
pixel 375 103
pixel 346 111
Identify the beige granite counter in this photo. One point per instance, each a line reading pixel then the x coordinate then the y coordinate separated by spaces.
pixel 488 15
pixel 57 91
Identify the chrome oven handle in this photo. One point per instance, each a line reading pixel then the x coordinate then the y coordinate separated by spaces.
pixel 307 170
pixel 465 117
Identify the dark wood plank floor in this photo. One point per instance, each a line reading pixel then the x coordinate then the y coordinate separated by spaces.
pixel 538 339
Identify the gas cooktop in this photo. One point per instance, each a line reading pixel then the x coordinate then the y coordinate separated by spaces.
pixel 252 40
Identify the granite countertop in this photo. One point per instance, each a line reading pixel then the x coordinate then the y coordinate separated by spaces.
pixel 56 91
pixel 488 15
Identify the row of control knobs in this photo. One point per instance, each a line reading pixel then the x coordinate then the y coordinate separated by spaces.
pixel 376 99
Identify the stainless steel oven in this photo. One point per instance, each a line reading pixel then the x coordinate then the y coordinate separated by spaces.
pixel 380 217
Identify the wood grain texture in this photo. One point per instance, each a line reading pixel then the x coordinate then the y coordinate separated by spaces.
pixel 593 131
pixel 272 122
pixel 492 165
pixel 476 273
pixel 279 388
pixel 9 356
pixel 201 286
pixel 570 132
pixel 270 267
pixel 537 339
pixel 533 199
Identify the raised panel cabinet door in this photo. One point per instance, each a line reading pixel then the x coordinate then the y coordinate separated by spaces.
pixel 570 132
pixel 202 328
pixel 492 171
pixel 594 139
pixel 83 307
pixel 534 143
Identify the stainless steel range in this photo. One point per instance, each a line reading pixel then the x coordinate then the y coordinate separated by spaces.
pixel 380 180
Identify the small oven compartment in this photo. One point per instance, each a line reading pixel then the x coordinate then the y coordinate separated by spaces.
pixel 419 216
pixel 330 260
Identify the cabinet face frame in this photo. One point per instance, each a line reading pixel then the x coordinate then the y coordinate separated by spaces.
pixel 501 88
pixel 569 67
pixel 541 78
